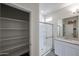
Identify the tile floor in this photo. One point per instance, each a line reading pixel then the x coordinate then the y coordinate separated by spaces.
pixel 51 54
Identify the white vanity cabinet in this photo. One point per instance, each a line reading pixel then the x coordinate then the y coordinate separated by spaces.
pixel 63 48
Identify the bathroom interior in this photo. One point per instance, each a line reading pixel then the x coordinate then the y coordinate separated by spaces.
pixel 65 34
pixel 46 28
pixel 69 42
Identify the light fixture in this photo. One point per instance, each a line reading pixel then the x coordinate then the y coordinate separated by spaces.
pixel 48 19
pixel 74 8
pixel 76 11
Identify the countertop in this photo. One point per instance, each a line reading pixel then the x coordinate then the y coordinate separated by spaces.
pixel 69 40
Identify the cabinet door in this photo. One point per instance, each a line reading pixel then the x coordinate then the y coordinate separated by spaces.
pixel 77 52
pixel 59 48
pixel 70 49
pixel 66 49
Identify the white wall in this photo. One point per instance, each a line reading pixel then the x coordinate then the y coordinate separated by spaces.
pixel 61 14
pixel 33 8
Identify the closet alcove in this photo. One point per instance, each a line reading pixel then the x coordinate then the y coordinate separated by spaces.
pixel 14 31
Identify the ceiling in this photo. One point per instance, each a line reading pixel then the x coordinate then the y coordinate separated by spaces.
pixel 46 8
pixel 51 7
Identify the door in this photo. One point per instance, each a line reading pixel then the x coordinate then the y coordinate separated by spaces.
pixel 48 36
pixel 42 36
pixel 45 33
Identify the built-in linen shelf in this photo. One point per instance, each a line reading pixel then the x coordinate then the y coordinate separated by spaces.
pixel 25 35
pixel 14 47
pixel 13 38
pixel 8 44
pixel 12 29
pixel 20 52
pixel 13 19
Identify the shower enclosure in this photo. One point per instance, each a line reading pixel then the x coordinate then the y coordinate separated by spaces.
pixel 46 37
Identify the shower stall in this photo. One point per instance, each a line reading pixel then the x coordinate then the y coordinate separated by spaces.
pixel 46 38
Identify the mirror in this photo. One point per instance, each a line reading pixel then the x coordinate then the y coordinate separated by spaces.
pixel 70 27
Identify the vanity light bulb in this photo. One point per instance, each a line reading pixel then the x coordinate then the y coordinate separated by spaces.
pixel 77 10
